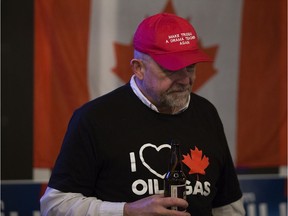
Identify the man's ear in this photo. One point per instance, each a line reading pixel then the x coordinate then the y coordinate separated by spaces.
pixel 138 68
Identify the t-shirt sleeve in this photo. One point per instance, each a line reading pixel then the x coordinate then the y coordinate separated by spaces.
pixel 76 167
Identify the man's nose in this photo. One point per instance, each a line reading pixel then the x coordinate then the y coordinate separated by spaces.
pixel 184 76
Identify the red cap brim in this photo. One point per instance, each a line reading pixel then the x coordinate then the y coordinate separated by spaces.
pixel 179 60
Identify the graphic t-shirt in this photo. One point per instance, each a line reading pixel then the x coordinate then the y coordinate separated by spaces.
pixel 117 149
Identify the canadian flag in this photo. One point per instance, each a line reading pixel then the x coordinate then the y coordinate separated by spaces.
pixel 83 50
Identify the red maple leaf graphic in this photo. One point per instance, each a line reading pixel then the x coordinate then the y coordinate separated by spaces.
pixel 124 54
pixel 196 162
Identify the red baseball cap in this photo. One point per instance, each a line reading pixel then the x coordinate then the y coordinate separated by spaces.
pixel 170 40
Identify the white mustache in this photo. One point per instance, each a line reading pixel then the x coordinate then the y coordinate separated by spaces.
pixel 179 89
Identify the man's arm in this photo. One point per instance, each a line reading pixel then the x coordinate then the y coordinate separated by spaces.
pixel 57 203
pixel 233 209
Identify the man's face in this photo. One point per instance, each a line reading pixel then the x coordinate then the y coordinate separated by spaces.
pixel 167 90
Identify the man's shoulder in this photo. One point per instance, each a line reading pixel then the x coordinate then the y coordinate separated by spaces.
pixel 200 101
pixel 109 100
pixel 115 95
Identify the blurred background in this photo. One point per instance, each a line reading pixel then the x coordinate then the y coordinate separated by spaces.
pixel 57 55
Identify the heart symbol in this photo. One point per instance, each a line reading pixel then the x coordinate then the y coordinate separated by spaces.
pixel 143 160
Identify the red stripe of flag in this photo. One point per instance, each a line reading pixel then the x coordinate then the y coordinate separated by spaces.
pixel 60 72
pixel 262 114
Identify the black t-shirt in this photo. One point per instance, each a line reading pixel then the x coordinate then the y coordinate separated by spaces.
pixel 117 149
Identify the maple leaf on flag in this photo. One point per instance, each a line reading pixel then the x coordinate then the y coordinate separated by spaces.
pixel 124 54
pixel 196 162
pixel 206 71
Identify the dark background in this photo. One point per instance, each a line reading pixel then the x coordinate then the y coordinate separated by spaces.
pixel 16 89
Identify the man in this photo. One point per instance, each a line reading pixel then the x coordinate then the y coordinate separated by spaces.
pixel 114 156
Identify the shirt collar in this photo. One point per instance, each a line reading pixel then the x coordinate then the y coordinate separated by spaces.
pixel 140 95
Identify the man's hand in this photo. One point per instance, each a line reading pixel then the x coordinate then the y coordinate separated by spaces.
pixel 155 205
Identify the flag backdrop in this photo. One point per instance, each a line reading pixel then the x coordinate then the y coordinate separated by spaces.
pixel 83 49
pixel 60 71
pixel 262 97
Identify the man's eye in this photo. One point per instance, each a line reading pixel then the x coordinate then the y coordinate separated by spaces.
pixel 190 69
pixel 168 72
